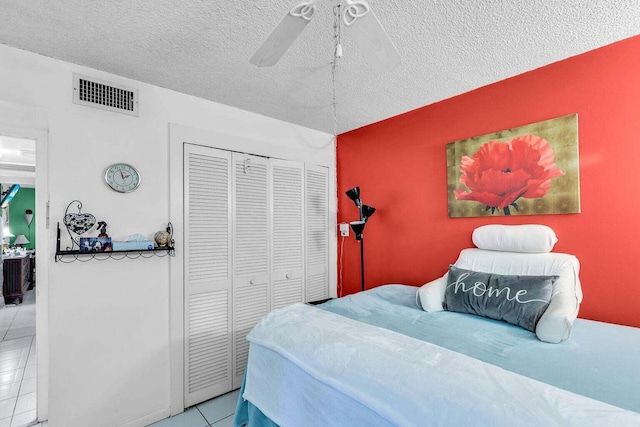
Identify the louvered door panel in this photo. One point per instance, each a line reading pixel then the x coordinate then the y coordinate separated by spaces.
pixel 251 251
pixel 208 343
pixel 286 292
pixel 317 232
pixel 251 220
pixel 208 340
pixel 287 243
pixel 251 305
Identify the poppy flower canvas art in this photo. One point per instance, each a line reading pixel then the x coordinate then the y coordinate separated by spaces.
pixel 528 170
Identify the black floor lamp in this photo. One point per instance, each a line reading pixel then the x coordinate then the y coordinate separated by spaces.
pixel 358 226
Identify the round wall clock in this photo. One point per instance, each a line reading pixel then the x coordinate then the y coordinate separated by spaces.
pixel 122 177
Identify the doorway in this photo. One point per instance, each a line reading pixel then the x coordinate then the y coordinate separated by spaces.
pixel 18 358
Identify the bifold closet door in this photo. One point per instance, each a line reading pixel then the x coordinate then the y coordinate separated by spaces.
pixel 208 279
pixel 287 242
pixel 256 239
pixel 317 232
pixel 251 235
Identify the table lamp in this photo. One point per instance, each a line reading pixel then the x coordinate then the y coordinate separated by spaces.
pixel 21 240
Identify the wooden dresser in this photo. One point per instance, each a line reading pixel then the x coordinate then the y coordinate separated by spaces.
pixel 17 276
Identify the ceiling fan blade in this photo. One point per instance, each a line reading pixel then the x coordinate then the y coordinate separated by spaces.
pixel 365 28
pixel 270 52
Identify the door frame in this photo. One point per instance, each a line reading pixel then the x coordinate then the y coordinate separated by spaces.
pixel 28 122
pixel 178 136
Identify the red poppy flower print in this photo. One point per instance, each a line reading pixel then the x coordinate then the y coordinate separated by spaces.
pixel 499 173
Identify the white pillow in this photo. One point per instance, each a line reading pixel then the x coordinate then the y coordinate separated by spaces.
pixel 555 324
pixel 528 238
pixel 430 296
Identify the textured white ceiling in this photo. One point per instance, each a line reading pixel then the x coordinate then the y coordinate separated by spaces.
pixel 17 161
pixel 203 48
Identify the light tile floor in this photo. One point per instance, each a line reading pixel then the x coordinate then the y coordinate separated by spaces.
pixel 216 412
pixel 18 377
pixel 18 363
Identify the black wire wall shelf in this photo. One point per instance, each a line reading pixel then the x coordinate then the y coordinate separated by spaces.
pixel 70 254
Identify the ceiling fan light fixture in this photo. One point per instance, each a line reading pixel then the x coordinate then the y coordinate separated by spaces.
pixel 354 10
pixel 357 16
pixel 304 10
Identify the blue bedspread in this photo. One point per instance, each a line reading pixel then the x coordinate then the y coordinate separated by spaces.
pixel 600 360
pixel 597 361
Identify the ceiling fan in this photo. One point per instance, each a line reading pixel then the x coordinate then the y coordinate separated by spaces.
pixel 356 17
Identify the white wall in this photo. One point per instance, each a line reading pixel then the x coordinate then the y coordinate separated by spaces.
pixel 109 322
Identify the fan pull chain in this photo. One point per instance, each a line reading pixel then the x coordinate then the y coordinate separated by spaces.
pixel 338 54
pixel 338 30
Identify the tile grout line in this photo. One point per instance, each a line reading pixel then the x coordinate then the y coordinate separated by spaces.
pixel 24 372
pixel 13 412
pixel 13 319
pixel 205 418
pixel 10 324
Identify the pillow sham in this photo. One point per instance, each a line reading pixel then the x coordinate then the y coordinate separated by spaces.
pixel 519 300
pixel 527 238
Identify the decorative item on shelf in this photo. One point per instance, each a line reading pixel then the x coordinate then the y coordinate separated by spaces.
pixel 170 231
pixel 102 226
pixel 162 238
pixel 134 242
pixel 77 224
pixel 95 244
pixel 358 226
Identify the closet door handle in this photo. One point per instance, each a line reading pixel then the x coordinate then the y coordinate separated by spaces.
pixel 287 276
pixel 252 281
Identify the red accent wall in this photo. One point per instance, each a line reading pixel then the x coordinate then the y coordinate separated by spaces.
pixel 400 167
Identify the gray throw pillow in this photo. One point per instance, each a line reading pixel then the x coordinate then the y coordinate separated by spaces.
pixel 519 300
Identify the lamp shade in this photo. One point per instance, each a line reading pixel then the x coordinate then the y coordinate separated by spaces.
pixel 367 211
pixel 6 232
pixel 28 216
pixel 354 194
pixel 358 228
pixel 20 240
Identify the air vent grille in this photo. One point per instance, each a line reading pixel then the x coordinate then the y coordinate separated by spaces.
pixel 107 96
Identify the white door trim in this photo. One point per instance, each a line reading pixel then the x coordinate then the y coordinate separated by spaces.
pixel 27 122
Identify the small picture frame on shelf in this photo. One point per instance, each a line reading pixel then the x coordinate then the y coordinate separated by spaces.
pixel 95 244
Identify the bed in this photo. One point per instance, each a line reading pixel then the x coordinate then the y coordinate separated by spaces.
pixel 381 358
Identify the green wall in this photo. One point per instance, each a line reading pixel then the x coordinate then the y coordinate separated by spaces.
pixel 24 199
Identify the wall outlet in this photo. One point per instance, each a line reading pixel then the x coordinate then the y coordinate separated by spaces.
pixel 344 229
